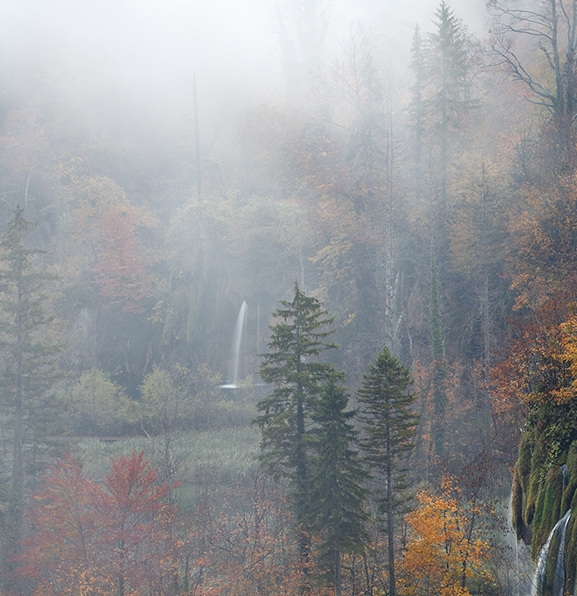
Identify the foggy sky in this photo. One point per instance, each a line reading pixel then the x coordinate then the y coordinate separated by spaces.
pixel 121 59
pixel 142 41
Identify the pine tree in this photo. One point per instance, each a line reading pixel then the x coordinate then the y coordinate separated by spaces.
pixel 441 98
pixel 28 368
pixel 438 365
pixel 448 77
pixel 388 425
pixel 292 364
pixel 337 493
pixel 418 109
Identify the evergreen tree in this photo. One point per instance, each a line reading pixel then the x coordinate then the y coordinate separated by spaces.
pixel 438 365
pixel 292 364
pixel 28 369
pixel 388 425
pixel 448 78
pixel 418 109
pixel 441 98
pixel 337 475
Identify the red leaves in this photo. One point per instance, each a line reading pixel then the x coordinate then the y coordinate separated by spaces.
pixel 536 369
pixel 121 266
pixel 132 487
pixel 62 522
pixel 87 537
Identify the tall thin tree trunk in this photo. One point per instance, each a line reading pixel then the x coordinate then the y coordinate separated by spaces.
pixel 338 579
pixel 390 521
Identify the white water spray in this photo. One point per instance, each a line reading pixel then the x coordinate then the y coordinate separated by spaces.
pixel 235 349
pixel 559 581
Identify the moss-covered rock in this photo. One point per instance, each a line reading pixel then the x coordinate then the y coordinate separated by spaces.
pixel 551 565
pixel 547 509
pixel 520 488
pixel 544 488
pixel 571 549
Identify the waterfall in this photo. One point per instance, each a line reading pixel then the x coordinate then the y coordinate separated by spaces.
pixel 235 349
pixel 540 571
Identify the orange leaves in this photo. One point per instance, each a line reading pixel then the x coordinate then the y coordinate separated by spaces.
pixel 568 341
pixel 252 552
pixel 61 521
pixel 121 265
pixel 87 539
pixel 541 366
pixel 100 234
pixel 543 251
pixel 442 552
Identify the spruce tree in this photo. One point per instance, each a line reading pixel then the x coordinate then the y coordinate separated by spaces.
pixel 418 110
pixel 292 365
pixel 448 77
pixel 388 425
pixel 441 99
pixel 28 370
pixel 438 365
pixel 337 494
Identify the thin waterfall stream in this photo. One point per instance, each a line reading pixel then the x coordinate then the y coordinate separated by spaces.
pixel 234 361
pixel 541 569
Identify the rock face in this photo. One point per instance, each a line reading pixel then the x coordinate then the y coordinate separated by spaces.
pixel 544 490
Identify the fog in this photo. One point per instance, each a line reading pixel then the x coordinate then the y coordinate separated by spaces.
pixel 147 50
pixel 188 166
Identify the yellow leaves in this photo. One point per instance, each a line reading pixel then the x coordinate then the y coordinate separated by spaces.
pixel 334 258
pixel 94 399
pixel 442 553
pixel 568 341
pixel 541 367
pixel 542 225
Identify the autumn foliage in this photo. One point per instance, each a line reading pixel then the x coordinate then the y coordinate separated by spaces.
pixel 109 539
pixel 540 370
pixel 443 552
pixel 121 266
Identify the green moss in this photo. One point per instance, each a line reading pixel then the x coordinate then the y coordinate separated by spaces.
pixel 570 501
pixel 521 486
pixel 572 458
pixel 571 546
pixel 571 478
pixel 547 509
pixel 524 460
pixel 540 497
pixel 551 564
pixel 535 481
pixel 517 508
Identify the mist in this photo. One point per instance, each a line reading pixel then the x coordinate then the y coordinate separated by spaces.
pixel 147 51
pixel 226 219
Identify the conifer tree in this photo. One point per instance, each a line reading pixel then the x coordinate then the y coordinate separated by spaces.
pixel 438 365
pixel 388 425
pixel 28 368
pixel 337 494
pixel 418 109
pixel 441 98
pixel 448 77
pixel 292 364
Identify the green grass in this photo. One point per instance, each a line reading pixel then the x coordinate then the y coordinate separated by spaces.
pixel 217 457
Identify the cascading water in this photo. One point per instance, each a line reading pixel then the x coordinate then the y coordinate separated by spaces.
pixel 235 349
pixel 559 581
pixel 564 470
pixel 541 569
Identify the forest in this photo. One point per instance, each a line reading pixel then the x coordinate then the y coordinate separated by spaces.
pixel 311 335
